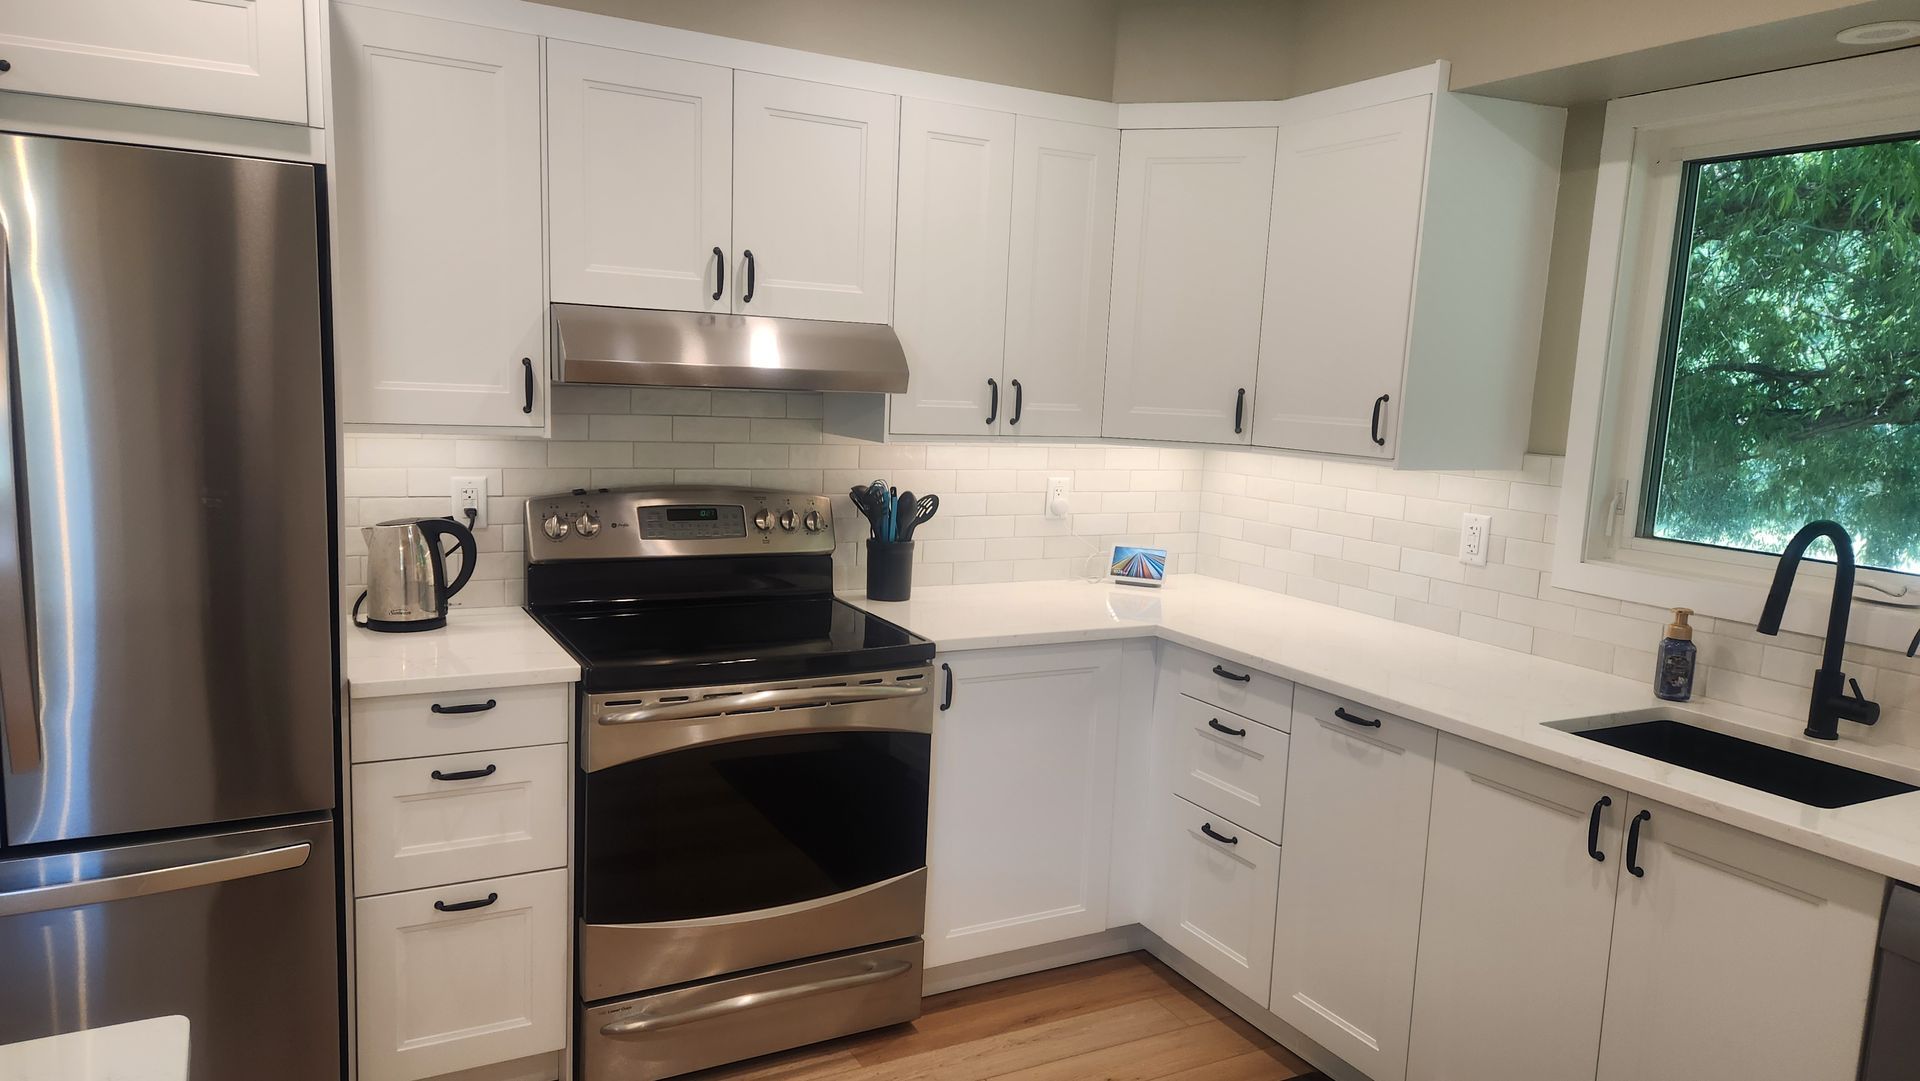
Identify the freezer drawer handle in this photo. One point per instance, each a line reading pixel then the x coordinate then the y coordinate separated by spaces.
pixel 186 876
pixel 645 1024
pixel 466 906
pixel 753 701
pixel 466 774
pixel 471 707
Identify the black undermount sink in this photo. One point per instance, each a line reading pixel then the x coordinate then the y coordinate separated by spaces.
pixel 1755 765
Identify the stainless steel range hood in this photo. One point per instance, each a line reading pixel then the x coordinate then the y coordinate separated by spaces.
pixel 648 348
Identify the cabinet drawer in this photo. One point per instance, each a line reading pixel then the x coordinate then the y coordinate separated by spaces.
pixel 425 821
pixel 1219 882
pixel 453 987
pixel 418 725
pixel 1250 693
pixel 1231 765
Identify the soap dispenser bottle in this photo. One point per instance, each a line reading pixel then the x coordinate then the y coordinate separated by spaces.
pixel 1673 666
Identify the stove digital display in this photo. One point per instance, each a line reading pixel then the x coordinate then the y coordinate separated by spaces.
pixel 692 523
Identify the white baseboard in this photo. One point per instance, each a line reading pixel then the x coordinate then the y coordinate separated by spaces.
pixel 1250 1011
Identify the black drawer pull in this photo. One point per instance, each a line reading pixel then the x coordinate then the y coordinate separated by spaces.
pixel 1019 402
pixel 747 297
pixel 1239 410
pixel 946 700
pixel 993 401
pixel 1341 712
pixel 527 363
pixel 1207 828
pixel 466 906
pixel 466 774
pixel 475 707
pixel 1633 845
pixel 1237 677
pixel 1593 829
pixel 1378 439
pixel 1214 723
pixel 719 273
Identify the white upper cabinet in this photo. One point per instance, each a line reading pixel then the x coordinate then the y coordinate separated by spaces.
pixel 813 195
pixel 1060 276
pixel 439 303
pixel 640 176
pixel 1734 957
pixel 1189 271
pixel 245 59
pixel 1346 223
pixel 950 288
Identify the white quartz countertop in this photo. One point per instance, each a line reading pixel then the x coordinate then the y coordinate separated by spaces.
pixel 480 647
pixel 1490 695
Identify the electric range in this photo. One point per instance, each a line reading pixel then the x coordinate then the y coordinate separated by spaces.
pixel 750 866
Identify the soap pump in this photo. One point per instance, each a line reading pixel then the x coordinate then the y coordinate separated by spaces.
pixel 1673 667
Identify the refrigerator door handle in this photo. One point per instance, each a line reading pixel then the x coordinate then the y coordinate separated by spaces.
pixel 185 876
pixel 20 733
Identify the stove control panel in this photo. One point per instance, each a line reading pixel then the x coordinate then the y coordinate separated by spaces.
pixel 644 523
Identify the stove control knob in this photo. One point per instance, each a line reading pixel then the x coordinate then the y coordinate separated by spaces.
pixel 555 526
pixel 812 521
pixel 763 521
pixel 786 520
pixel 586 524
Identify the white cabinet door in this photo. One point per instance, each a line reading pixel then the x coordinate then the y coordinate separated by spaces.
pixel 203 56
pixel 1359 783
pixel 455 977
pixel 813 188
pixel 1735 957
pixel 1515 920
pixel 640 179
pixel 950 287
pixel 1346 225
pixel 1022 813
pixel 1215 896
pixel 439 306
pixel 1228 764
pixel 1189 270
pixel 424 821
pixel 1060 275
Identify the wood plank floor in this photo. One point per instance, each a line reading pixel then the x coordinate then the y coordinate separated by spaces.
pixel 1127 1018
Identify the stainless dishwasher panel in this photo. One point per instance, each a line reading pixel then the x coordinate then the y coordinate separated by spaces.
pixel 1893 1030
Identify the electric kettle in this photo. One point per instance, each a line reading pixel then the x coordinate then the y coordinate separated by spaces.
pixel 407 587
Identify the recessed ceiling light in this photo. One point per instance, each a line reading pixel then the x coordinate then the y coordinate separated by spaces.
pixel 1885 33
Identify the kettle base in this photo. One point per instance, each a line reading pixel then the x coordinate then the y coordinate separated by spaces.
pixel 390 626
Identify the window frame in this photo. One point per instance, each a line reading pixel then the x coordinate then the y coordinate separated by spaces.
pixel 1646 146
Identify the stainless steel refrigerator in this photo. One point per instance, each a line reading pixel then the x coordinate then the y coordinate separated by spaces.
pixel 167 688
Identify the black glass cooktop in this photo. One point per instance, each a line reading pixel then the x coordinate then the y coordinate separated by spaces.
pixel 729 641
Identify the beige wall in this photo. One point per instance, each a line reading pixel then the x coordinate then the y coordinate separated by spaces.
pixel 1203 50
pixel 1566 279
pixel 1061 46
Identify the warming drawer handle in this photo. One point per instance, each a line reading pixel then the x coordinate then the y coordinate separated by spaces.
pixel 646 1024
pixel 778 698
pixel 126 887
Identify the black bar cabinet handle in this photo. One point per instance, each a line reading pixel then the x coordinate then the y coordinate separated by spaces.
pixel 1019 401
pixel 472 707
pixel 1341 712
pixel 466 906
pixel 1378 404
pixel 1593 829
pixel 1207 828
pixel 946 700
pixel 993 403
pixel 527 364
pixel 719 273
pixel 747 297
pixel 466 774
pixel 1239 409
pixel 1237 677
pixel 1633 845
pixel 1214 723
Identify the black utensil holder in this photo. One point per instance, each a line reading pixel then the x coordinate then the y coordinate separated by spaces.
pixel 889 570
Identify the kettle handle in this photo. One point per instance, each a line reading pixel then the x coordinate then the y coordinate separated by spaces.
pixel 435 528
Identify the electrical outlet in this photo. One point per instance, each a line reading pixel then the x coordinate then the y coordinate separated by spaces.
pixel 1057 502
pixel 470 492
pixel 1476 532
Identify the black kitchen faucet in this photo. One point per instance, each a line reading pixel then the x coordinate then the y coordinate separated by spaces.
pixel 1830 702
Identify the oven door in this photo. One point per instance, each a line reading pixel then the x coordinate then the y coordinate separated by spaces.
pixel 725 828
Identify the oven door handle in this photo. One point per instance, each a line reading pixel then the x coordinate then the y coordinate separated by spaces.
pixel 645 1025
pixel 755 701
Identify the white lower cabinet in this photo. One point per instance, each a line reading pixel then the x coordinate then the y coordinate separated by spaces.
pixel 1735 957
pixel 1359 783
pixel 454 977
pixel 1516 920
pixel 422 821
pixel 1230 764
pixel 1022 808
pixel 1216 893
